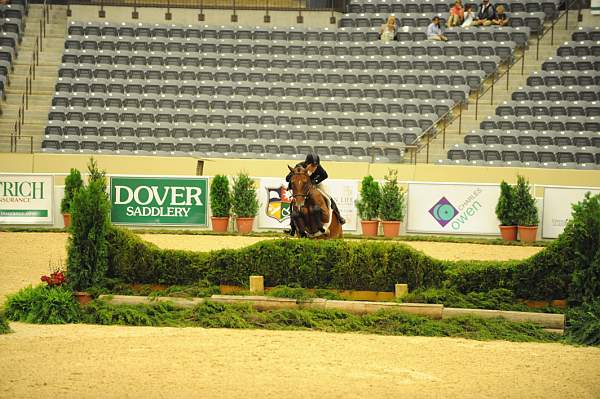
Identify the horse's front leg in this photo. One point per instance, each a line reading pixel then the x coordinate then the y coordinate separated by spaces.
pixel 298 220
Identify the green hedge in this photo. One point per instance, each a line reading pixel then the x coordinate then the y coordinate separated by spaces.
pixel 4 327
pixel 311 264
pixel 369 265
pixel 567 268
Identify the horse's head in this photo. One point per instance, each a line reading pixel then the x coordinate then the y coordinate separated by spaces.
pixel 301 182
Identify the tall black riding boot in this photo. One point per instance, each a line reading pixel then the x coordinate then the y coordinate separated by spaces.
pixel 336 211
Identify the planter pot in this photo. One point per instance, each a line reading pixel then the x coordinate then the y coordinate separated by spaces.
pixel 244 225
pixel 67 219
pixel 391 228
pixel 527 233
pixel 219 224
pixel 508 233
pixel 83 297
pixel 369 227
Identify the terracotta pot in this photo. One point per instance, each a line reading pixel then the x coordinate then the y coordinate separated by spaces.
pixel 391 228
pixel 67 219
pixel 508 233
pixel 369 227
pixel 220 224
pixel 527 233
pixel 83 297
pixel 244 225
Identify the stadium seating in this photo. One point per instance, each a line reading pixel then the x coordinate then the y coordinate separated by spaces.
pixel 12 26
pixel 261 92
pixel 532 20
pixel 553 122
pixel 549 8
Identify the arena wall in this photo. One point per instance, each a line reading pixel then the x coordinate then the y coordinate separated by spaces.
pixel 188 166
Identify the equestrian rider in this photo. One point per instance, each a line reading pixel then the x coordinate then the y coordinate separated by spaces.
pixel 318 176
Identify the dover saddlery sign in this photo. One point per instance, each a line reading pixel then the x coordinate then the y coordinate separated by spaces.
pixel 275 201
pixel 26 199
pixel 452 208
pixel 558 202
pixel 159 200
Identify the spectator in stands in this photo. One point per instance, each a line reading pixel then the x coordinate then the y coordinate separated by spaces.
pixel 387 32
pixel 457 14
pixel 469 16
pixel 434 31
pixel 501 17
pixel 486 14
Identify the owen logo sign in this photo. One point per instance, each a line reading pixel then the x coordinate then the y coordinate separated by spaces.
pixel 159 200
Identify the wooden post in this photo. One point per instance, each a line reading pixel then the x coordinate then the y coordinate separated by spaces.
pixel 401 290
pixel 257 284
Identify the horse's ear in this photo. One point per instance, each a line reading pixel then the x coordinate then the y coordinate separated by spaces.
pixel 290 168
pixel 310 169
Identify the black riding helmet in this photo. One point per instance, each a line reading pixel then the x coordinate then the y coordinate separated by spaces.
pixel 313 158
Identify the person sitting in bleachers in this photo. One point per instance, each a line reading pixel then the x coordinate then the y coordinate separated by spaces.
pixel 501 17
pixel 486 14
pixel 434 31
pixel 469 16
pixel 457 14
pixel 387 32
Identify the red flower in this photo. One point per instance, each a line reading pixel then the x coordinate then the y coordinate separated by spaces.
pixel 56 278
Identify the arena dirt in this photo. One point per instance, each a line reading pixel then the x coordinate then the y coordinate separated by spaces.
pixel 83 361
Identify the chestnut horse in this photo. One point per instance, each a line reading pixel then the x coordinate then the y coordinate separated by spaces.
pixel 311 209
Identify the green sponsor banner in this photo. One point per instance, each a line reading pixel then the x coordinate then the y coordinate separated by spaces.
pixel 159 200
pixel 35 213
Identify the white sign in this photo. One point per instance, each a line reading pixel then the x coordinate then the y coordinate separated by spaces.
pixel 26 199
pixel 275 202
pixel 345 194
pixel 558 203
pixel 452 208
pixel 595 4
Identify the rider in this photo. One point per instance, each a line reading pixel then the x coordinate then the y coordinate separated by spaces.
pixel 318 176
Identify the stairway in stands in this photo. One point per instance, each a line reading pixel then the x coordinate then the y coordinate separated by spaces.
pixel 36 115
pixel 437 149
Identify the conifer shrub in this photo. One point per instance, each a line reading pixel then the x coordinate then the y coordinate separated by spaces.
pixel 87 247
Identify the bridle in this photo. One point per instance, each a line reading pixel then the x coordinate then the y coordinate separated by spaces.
pixel 306 192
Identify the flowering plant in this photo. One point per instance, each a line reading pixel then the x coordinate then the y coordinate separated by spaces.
pixel 56 279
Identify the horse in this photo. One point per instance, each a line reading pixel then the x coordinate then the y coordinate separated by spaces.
pixel 311 208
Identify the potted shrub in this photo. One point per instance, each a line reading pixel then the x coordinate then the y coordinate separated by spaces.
pixel 220 203
pixel 391 208
pixel 368 206
pixel 526 213
pixel 244 203
pixel 73 183
pixel 505 212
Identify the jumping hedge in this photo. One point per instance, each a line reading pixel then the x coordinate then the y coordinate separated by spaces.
pixel 568 268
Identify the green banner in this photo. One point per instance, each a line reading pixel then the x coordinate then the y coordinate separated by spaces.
pixel 159 200
pixel 34 213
